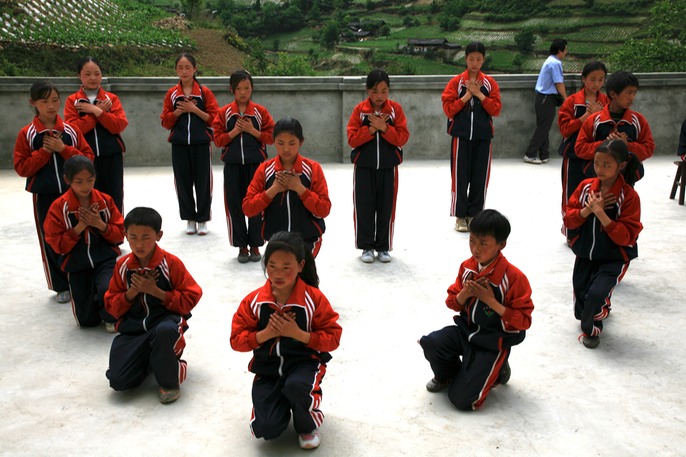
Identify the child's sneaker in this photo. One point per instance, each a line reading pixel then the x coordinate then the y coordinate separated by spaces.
pixel 243 255
pixel 202 228
pixel 309 440
pixel 532 160
pixel 255 255
pixel 436 386
pixel 384 256
pixel 169 395
pixel 461 224
pixel 590 342
pixel 111 327
pixel 505 373
pixel 190 228
pixel 367 256
pixel 63 297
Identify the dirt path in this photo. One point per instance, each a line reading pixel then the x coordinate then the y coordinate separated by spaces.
pixel 214 54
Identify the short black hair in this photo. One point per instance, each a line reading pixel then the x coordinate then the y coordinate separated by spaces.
pixel 289 125
pixel 557 45
pixel 377 76
pixel 237 77
pixel 475 46
pixel 75 164
pixel 620 80
pixel 41 90
pixel 490 222
pixel 146 217
pixel 590 67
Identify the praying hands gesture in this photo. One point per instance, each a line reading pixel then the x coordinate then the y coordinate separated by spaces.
pixel 89 216
pixel 378 123
pixel 283 325
pixel 52 142
pixel 144 283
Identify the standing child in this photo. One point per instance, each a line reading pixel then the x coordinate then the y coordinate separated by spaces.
pixel 604 220
pixel 573 113
pixel 152 295
pixel 290 326
pixel 494 301
pixel 470 100
pixel 377 131
pixel 617 121
pixel 290 189
pixel 39 154
pixel 243 129
pixel 101 118
pixel 189 110
pixel 85 227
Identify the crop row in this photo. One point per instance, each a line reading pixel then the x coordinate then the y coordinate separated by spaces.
pixel 70 23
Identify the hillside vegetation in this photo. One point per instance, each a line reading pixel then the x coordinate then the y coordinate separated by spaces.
pixel 339 37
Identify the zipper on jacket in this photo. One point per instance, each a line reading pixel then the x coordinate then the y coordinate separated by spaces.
pixel 88 248
pixel 242 152
pixel 288 207
pixel 147 312
pixel 590 252
pixel 471 122
pixel 97 143
pixel 278 353
pixel 189 129
pixel 57 173
pixel 378 140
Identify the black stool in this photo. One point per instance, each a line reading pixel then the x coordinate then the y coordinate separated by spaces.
pixel 679 181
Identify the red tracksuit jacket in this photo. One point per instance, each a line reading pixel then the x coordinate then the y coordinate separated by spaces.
pixel 189 128
pixel 483 325
pixel 313 314
pixel 91 247
pixel 183 293
pixel 472 121
pixel 380 150
pixel 102 133
pixel 617 241
pixel 568 119
pixel 43 170
pixel 244 148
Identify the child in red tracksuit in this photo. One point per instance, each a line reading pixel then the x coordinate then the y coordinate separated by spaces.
pixel 151 295
pixel 290 190
pixel 291 328
pixel 377 131
pixel 189 110
pixel 243 129
pixel 39 154
pixel 617 121
pixel 470 100
pixel 494 301
pixel 573 113
pixel 603 219
pixel 85 228
pixel 101 118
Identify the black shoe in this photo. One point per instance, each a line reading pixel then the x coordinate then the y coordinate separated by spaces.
pixel 436 386
pixel 255 255
pixel 505 373
pixel 590 342
pixel 243 255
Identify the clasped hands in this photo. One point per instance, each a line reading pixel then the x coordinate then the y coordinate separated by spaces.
pixel 378 122
pixel 89 216
pixel 97 108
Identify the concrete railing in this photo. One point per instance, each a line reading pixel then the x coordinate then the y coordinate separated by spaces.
pixel 323 106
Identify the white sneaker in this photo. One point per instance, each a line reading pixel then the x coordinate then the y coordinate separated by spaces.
pixel 461 224
pixel 532 160
pixel 384 256
pixel 110 327
pixel 545 160
pixel 309 440
pixel 190 228
pixel 63 297
pixel 202 228
pixel 367 256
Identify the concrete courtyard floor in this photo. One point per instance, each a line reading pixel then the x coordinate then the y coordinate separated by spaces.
pixel 625 398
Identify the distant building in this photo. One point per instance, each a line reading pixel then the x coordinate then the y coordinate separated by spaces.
pixel 423 45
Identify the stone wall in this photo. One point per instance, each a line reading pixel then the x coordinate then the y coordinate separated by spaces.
pixel 323 106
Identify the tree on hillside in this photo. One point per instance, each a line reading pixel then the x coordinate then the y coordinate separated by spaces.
pixel 665 47
pixel 330 35
pixel 525 39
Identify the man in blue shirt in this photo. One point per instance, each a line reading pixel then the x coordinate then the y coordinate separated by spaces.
pixel 548 86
